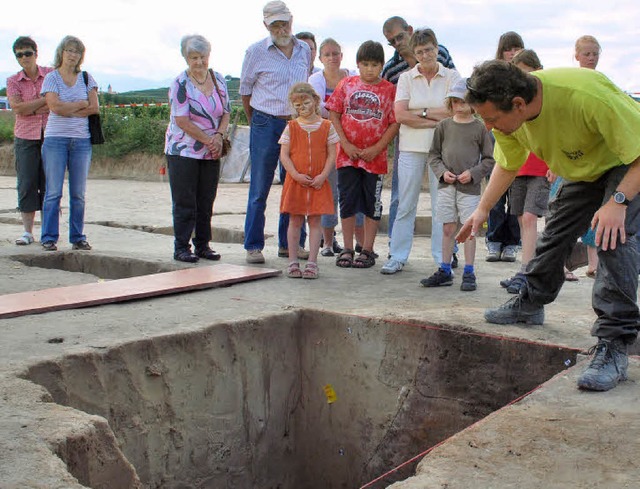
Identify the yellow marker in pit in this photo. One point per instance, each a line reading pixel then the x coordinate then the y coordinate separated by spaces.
pixel 330 393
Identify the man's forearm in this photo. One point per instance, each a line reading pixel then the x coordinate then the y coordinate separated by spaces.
pixel 499 182
pixel 246 105
pixel 630 184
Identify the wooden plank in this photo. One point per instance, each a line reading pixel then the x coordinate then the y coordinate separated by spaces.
pixel 126 289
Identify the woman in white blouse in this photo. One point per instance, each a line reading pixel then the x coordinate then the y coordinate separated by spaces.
pixel 419 106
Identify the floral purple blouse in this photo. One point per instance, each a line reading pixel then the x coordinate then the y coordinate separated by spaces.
pixel 205 112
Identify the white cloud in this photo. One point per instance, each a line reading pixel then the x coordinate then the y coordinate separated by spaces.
pixel 140 38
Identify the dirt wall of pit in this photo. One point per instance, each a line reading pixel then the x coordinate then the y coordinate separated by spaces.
pixel 244 405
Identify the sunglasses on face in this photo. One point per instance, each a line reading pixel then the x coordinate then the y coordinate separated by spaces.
pixel 26 54
pixel 478 94
pixel 397 39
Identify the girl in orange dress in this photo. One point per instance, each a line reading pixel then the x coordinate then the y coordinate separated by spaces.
pixel 308 153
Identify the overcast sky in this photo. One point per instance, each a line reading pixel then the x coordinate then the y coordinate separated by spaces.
pixel 134 44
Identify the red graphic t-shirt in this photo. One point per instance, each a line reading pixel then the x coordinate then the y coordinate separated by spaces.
pixel 367 112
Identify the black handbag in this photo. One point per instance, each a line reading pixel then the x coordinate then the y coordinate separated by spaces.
pixel 95 125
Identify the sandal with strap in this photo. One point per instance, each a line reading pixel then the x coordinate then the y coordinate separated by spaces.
pixel 345 258
pixel 293 270
pixel 25 239
pixel 365 260
pixel 310 270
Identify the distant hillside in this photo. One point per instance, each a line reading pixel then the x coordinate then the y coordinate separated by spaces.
pixel 158 95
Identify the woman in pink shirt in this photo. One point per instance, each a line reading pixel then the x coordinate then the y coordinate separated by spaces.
pixel 31 112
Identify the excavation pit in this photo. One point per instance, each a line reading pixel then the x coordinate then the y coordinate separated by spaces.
pixel 102 266
pixel 250 404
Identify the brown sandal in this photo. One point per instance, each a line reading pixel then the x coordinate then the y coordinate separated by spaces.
pixel 345 258
pixel 365 260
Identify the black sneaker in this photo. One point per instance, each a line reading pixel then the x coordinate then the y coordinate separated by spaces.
pixel 438 279
pixel 49 246
pixel 608 366
pixel 506 282
pixel 185 256
pixel 81 245
pixel 335 247
pixel 454 261
pixel 327 252
pixel 517 283
pixel 516 310
pixel 468 282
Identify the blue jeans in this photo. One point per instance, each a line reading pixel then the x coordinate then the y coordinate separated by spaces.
pixel 60 154
pixel 264 150
pixel 395 200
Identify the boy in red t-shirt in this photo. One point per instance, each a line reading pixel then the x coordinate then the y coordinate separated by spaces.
pixel 361 110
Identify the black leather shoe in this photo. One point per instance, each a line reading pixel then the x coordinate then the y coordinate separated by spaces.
pixel 208 254
pixel 185 256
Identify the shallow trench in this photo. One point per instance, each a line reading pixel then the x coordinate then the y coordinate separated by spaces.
pixel 102 266
pixel 244 405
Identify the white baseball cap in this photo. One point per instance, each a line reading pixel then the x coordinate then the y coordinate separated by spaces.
pixel 458 90
pixel 275 11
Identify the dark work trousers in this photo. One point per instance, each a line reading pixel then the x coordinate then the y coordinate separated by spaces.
pixel 614 296
pixel 194 184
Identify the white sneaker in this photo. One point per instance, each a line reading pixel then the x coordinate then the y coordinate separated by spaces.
pixel 391 267
pixel 255 256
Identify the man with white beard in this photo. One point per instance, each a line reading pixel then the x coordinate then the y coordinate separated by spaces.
pixel 271 66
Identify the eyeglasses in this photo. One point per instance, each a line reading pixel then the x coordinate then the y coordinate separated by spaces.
pixel 72 51
pixel 424 52
pixel 26 54
pixel 397 39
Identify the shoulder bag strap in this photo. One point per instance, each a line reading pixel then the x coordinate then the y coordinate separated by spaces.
pixel 215 83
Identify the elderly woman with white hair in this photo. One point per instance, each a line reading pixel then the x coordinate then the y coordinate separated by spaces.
pixel 200 113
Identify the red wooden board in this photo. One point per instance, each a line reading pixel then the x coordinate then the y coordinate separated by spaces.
pixel 126 289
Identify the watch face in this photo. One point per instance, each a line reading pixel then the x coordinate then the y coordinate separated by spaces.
pixel 619 197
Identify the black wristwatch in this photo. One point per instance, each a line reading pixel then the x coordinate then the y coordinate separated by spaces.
pixel 620 198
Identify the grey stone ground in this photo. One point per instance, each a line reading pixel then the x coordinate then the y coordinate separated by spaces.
pixel 587 425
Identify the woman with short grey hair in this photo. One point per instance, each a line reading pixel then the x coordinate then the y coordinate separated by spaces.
pixel 200 112
pixel 194 43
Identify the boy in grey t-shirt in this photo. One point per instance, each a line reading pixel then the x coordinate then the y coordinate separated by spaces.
pixel 461 155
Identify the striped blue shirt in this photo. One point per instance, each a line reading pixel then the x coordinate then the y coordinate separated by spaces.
pixel 267 75
pixel 397 65
pixel 67 127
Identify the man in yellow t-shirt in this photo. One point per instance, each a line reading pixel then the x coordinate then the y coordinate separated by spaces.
pixel 586 129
